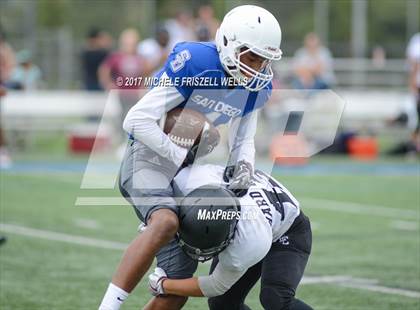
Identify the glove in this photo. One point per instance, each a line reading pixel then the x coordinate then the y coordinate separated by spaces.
pixel 239 177
pixel 156 280
pixel 209 139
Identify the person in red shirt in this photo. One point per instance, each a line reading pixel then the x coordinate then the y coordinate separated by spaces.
pixel 123 69
pixel 7 64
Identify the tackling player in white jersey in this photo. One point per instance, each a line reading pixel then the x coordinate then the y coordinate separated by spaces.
pixel 274 243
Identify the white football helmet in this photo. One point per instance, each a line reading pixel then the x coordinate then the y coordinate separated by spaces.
pixel 249 28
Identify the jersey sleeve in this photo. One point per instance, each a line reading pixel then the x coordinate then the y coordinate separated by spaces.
pixel 189 60
pixel 252 241
pixel 241 138
pixel 179 65
pixel 242 129
pixel 141 122
pixel 220 281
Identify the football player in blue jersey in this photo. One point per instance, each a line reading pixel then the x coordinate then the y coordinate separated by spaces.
pixel 246 44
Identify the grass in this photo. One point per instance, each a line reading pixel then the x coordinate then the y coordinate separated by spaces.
pixel 42 274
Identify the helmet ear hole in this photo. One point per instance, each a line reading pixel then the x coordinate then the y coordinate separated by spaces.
pixel 225 41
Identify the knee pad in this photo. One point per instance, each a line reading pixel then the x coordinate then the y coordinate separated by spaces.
pixel 215 303
pixel 276 298
pixel 220 303
pixel 171 302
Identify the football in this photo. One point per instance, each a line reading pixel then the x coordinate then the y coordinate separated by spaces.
pixel 185 128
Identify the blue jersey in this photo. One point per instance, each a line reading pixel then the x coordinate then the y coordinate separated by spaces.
pixel 219 102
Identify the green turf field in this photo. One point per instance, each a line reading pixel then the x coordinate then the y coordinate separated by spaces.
pixel 365 226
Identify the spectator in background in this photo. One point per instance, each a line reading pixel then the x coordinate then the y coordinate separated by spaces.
pixel 312 65
pixel 413 56
pixel 117 69
pixel 155 50
pixel 378 57
pixel 206 23
pixel 26 75
pixel 203 34
pixel 7 59
pixel 96 50
pixel 5 161
pixel 181 28
pixel 7 63
pixel 411 146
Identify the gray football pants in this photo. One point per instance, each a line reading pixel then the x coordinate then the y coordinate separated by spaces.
pixel 146 182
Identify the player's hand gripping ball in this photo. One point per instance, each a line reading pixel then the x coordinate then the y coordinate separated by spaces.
pixel 191 130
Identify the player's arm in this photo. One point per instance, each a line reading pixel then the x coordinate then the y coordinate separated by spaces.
pixel 183 287
pixel 240 167
pixel 142 122
pixel 241 138
pixel 220 281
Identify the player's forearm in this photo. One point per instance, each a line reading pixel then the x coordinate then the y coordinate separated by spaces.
pixel 243 151
pixel 149 133
pixel 182 287
pixel 241 138
pixel 141 122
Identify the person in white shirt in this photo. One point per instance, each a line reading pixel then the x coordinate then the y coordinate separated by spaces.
pixel 155 50
pixel 180 28
pixel 413 56
pixel 313 65
pixel 271 240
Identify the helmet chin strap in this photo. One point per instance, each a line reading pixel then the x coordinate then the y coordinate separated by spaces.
pixel 258 81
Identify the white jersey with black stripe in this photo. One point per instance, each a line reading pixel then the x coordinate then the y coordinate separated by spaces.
pixel 267 195
pixel 269 210
pixel 278 205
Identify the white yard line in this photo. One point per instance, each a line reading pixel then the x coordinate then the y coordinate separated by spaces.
pixel 382 289
pixel 358 208
pixel 315 203
pixel 324 279
pixel 65 177
pixel 315 226
pixel 307 203
pixel 405 225
pixel 101 201
pixel 359 283
pixel 55 236
pixel 340 280
pixel 87 223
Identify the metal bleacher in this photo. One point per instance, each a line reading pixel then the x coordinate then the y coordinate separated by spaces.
pixel 360 73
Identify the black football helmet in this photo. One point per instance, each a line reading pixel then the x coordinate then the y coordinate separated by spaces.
pixel 207 221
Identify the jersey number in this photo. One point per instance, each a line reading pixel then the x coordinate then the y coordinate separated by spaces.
pixel 179 62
